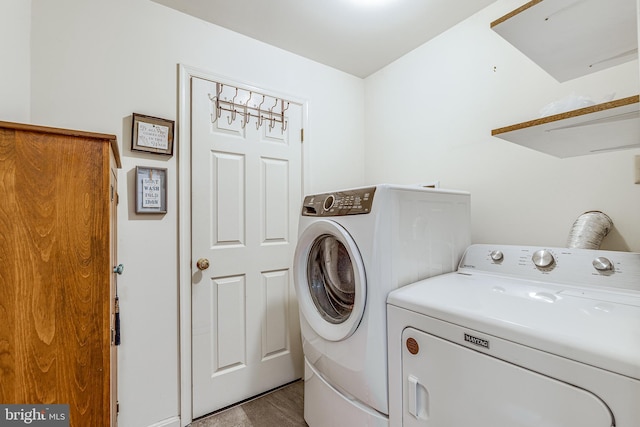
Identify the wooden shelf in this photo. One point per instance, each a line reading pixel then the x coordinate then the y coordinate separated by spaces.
pixel 570 38
pixel 613 125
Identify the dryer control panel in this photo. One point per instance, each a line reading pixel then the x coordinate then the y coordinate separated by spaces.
pixel 582 267
pixel 339 203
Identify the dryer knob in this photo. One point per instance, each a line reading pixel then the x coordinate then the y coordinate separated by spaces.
pixel 496 256
pixel 543 258
pixel 602 264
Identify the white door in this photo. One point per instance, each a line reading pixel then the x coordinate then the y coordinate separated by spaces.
pixel 246 199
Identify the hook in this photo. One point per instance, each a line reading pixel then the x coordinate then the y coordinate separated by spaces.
pixel 247 120
pixel 272 120
pixel 218 106
pixel 272 107
pixel 283 122
pixel 246 116
pixel 216 100
pixel 259 116
pixel 213 99
pixel 232 117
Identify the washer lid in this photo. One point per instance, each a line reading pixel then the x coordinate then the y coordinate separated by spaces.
pixel 600 332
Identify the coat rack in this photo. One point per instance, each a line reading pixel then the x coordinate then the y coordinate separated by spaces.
pixel 248 105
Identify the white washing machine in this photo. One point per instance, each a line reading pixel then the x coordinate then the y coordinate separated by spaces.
pixel 519 337
pixel 354 247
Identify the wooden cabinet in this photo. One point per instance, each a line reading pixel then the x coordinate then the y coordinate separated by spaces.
pixel 570 39
pixel 57 285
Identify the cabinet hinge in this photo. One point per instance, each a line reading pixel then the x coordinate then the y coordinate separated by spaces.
pixel 117 407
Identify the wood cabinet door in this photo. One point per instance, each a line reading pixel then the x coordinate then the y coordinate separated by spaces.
pixel 55 302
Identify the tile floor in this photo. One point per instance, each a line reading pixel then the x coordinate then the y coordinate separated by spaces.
pixel 280 408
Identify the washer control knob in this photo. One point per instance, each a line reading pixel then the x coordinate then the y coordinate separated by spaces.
pixel 602 264
pixel 329 202
pixel 496 256
pixel 543 258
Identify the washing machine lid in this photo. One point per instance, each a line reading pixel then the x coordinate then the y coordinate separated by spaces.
pixel 586 327
pixel 330 280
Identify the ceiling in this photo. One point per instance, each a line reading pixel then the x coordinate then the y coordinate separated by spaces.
pixel 356 36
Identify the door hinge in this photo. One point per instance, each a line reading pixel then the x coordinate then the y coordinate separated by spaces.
pixel 301 135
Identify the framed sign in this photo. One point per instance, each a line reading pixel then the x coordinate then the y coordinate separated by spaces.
pixel 151 190
pixel 152 135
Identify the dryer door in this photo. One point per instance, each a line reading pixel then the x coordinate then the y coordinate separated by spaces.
pixel 330 280
pixel 446 384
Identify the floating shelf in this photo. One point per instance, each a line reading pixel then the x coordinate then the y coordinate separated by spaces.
pixel 610 126
pixel 572 38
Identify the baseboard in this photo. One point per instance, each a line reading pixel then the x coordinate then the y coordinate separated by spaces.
pixel 169 422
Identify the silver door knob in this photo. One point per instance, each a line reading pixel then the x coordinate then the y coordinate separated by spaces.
pixel 202 264
pixel 118 269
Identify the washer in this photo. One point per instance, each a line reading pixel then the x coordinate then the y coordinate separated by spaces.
pixel 520 337
pixel 354 247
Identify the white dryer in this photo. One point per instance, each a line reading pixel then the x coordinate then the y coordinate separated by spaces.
pixel 519 337
pixel 354 247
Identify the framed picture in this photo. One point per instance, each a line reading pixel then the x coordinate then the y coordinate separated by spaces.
pixel 152 135
pixel 151 190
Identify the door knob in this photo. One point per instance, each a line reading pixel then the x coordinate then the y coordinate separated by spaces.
pixel 118 269
pixel 202 264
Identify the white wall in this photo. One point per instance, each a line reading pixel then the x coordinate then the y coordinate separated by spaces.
pixel 15 72
pixel 95 63
pixel 429 117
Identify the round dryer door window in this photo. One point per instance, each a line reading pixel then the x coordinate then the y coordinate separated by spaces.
pixel 330 280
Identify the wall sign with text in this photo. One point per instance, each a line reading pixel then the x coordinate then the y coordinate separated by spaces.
pixel 152 135
pixel 151 190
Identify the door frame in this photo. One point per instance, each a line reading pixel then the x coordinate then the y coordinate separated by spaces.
pixel 185 74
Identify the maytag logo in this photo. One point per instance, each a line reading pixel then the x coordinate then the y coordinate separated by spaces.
pixel 476 341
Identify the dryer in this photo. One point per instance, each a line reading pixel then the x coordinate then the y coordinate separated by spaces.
pixel 354 247
pixel 520 337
